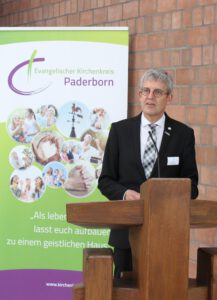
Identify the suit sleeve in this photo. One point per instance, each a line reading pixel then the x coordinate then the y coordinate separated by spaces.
pixel 108 181
pixel 189 166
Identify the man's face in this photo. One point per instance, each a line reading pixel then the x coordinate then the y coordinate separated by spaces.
pixel 153 103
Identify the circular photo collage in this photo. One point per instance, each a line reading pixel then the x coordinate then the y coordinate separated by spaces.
pixel 57 148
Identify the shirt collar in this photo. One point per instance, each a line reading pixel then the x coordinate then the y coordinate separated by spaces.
pixel 145 122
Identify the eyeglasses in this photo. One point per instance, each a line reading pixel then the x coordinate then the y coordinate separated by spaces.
pixel 157 92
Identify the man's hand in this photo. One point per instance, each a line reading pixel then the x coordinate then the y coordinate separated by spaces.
pixel 131 195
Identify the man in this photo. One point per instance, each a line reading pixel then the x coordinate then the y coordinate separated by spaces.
pixel 131 154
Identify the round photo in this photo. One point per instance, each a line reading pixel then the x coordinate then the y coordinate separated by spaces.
pixel 54 174
pixel 46 147
pixel 27 185
pixel 81 180
pixel 71 151
pixel 73 119
pixel 22 125
pixel 46 115
pixel 93 146
pixel 21 157
pixel 99 119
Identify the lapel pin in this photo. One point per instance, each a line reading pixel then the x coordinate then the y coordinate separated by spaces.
pixel 169 128
pixel 167 133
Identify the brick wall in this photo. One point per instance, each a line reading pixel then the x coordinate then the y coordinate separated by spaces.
pixel 178 35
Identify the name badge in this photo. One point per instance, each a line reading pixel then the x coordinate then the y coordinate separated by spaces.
pixel 173 161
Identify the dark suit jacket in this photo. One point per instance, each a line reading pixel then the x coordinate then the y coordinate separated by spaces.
pixel 122 167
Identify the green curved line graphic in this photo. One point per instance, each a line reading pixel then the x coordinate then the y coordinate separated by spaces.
pixel 31 62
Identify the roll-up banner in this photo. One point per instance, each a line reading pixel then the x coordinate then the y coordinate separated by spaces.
pixel 60 90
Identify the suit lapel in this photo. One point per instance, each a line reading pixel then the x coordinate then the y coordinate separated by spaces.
pixel 167 135
pixel 136 143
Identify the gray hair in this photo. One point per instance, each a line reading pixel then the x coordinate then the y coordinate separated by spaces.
pixel 155 75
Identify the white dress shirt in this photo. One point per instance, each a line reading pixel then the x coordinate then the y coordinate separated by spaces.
pixel 144 129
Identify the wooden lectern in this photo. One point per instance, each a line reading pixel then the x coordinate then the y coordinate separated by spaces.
pixel 159 225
